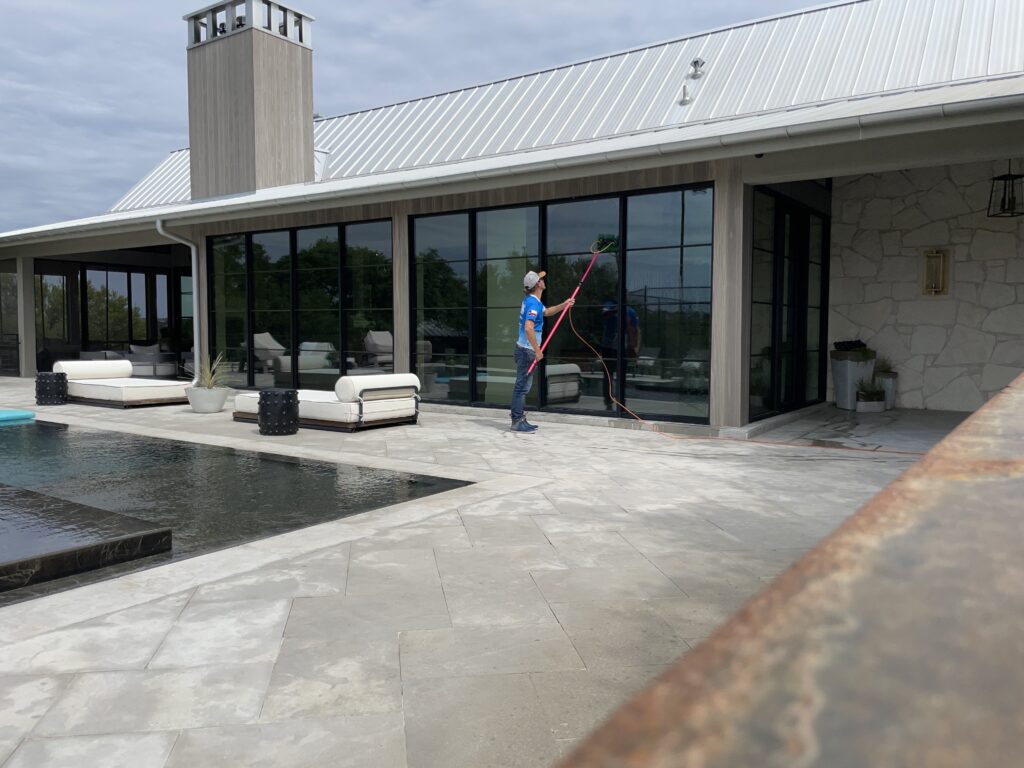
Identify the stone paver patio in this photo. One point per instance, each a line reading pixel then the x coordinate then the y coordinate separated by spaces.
pixel 492 625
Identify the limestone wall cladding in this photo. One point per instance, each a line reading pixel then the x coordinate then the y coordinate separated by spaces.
pixel 952 352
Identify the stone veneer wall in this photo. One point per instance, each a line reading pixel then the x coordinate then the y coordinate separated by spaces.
pixel 952 352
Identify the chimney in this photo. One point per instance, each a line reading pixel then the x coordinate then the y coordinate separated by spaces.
pixel 250 97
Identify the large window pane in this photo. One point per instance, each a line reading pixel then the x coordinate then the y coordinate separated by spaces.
pixel 272 304
pixel 698 220
pixel 96 305
pixel 442 305
pixel 163 315
pixel 573 227
pixel 654 221
pixel 9 362
pixel 369 319
pixel 508 242
pixel 117 307
pixel 140 308
pixel 228 327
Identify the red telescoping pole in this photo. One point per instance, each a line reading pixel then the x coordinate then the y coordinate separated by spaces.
pixel 565 309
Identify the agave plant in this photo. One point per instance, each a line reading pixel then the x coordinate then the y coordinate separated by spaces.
pixel 212 375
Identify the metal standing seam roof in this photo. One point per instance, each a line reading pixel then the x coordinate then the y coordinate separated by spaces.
pixel 849 51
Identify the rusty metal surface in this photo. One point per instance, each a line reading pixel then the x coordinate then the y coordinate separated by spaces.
pixel 897 641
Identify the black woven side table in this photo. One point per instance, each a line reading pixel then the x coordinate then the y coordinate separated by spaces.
pixel 51 388
pixel 279 412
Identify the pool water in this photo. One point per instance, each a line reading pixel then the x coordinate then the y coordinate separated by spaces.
pixel 210 497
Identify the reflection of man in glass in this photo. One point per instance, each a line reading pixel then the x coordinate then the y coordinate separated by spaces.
pixel 610 342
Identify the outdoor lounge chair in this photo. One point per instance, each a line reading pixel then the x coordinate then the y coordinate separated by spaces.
pixel 357 402
pixel 110 382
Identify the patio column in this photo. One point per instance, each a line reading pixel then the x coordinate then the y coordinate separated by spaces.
pixel 400 288
pixel 730 297
pixel 26 316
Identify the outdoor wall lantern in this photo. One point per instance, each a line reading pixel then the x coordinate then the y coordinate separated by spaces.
pixel 935 280
pixel 1007 196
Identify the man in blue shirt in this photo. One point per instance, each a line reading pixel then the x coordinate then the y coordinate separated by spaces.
pixel 531 328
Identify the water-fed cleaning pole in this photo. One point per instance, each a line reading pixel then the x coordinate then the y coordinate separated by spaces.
pixel 598 247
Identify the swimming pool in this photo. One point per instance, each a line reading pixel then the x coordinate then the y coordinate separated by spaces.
pixel 210 497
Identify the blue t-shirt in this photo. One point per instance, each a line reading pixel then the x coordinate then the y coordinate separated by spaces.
pixel 532 309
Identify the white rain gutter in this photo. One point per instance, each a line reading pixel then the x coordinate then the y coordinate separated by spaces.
pixel 195 282
pixel 633 147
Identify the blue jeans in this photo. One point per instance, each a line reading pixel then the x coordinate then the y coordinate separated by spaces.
pixel 523 358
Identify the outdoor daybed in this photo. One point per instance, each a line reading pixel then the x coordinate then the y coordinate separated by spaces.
pixel 357 402
pixel 110 382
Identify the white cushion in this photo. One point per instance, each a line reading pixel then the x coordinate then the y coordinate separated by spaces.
pixel 383 387
pixel 562 369
pixel 324 406
pixel 378 342
pixel 316 346
pixel 126 390
pixel 265 346
pixel 307 361
pixel 94 369
pixel 145 349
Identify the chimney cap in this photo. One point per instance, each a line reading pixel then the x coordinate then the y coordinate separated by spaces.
pixel 225 4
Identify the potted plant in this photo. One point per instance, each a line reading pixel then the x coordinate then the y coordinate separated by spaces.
pixel 870 396
pixel 852 361
pixel 209 393
pixel 886 377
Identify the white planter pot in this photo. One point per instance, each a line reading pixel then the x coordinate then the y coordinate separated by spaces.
pixel 205 400
pixel 870 406
pixel 845 375
pixel 888 382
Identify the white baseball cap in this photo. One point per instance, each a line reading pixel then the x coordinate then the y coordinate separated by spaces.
pixel 532 278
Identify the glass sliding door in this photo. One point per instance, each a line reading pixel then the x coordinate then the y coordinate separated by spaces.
pixel 318 309
pixel 228 307
pixel 441 245
pixel 507 247
pixel 571 229
pixel 787 296
pixel 271 317
pixel 10 364
pixel 369 319
pixel 666 326
pixel 644 315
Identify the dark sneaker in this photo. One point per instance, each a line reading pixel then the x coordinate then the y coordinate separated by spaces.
pixel 522 426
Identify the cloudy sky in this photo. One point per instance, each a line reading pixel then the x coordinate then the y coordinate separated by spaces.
pixel 93 94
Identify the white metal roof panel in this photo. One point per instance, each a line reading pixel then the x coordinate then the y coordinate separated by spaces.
pixel 835 53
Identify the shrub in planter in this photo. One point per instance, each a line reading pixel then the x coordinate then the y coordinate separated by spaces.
pixel 209 393
pixel 851 362
pixel 870 396
pixel 886 378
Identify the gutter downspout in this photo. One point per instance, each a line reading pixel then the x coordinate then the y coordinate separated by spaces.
pixel 195 282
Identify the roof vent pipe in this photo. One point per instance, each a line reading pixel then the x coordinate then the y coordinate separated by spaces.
pixel 194 249
pixel 697 68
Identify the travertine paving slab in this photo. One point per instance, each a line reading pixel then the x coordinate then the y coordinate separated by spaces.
pixel 595 549
pixel 122 702
pixel 574 702
pixel 366 616
pixel 23 700
pixel 129 750
pixel 628 633
pixel 503 531
pixel 121 640
pixel 350 742
pixel 495 598
pixel 476 722
pixel 401 571
pixel 324 680
pixel 613 583
pixel 245 631
pixel 484 651
pixel 321 574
